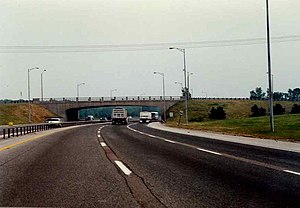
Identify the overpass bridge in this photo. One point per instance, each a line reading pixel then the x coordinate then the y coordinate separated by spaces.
pixel 68 108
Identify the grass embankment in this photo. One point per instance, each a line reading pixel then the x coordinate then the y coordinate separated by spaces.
pixel 18 114
pixel 238 122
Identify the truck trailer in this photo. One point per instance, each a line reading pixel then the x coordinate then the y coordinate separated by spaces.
pixel 145 117
pixel 119 116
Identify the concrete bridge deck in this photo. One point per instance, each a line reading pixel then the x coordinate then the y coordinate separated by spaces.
pixel 68 107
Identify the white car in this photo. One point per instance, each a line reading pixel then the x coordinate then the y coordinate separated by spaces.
pixel 54 122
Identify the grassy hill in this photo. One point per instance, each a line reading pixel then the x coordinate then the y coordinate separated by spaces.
pixel 18 114
pixel 238 121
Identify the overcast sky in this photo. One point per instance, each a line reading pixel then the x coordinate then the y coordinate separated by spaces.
pixel 220 71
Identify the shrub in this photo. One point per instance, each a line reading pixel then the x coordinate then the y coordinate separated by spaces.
pixel 256 111
pixel 278 109
pixel 217 113
pixel 295 109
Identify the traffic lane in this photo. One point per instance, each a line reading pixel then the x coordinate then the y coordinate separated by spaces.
pixel 65 169
pixel 184 177
pixel 288 160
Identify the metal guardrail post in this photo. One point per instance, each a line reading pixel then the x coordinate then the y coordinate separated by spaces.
pixel 4 133
pixel 8 133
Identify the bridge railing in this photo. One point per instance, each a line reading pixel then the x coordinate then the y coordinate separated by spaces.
pixel 109 99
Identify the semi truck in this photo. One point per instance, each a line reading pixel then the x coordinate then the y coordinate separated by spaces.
pixel 119 116
pixel 147 117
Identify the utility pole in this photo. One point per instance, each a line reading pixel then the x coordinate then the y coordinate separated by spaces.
pixel 269 70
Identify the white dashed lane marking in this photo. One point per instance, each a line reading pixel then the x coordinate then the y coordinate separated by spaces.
pixel 123 167
pixel 292 172
pixel 103 144
pixel 204 150
pixel 170 141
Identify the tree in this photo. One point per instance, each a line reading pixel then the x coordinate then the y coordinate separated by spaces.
pixel 294 94
pixel 295 109
pixel 279 96
pixel 278 109
pixel 217 113
pixel 258 94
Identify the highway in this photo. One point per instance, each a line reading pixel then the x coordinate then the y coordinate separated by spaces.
pixel 136 166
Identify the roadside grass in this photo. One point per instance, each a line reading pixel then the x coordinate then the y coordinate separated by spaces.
pixel 238 122
pixel 18 114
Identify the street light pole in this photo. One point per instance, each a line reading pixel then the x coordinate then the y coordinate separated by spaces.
pixel 28 82
pixel 78 85
pixel 269 69
pixel 111 91
pixel 164 93
pixel 42 87
pixel 188 81
pixel 185 80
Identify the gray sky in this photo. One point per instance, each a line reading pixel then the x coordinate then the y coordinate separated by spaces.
pixel 230 71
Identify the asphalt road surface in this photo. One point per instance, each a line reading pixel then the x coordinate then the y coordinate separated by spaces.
pixel 136 166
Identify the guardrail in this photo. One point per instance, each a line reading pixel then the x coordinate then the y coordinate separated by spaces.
pixel 19 130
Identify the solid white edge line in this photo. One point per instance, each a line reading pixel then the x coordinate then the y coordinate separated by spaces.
pixel 123 167
pixel 204 150
pixel 293 172
pixel 103 144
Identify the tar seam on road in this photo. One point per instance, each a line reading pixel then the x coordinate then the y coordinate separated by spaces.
pixel 129 177
pixel 217 153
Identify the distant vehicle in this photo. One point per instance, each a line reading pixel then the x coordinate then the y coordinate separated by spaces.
pixel 103 119
pixel 145 117
pixel 54 122
pixel 89 118
pixel 119 116
pixel 154 116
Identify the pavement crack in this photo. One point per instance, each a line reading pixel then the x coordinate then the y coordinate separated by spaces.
pixel 135 183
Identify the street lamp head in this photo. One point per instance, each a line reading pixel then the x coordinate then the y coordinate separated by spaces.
pixel 33 68
pixel 155 72
pixel 171 48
